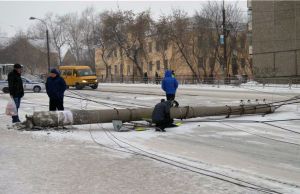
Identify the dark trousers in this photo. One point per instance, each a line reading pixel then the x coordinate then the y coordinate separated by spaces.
pixel 56 104
pixel 164 123
pixel 171 97
pixel 17 102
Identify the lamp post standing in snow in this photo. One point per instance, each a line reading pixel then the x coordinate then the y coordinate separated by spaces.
pixel 47 36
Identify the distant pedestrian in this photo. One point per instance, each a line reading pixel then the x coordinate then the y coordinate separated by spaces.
pixel 161 115
pixel 156 78
pixel 16 90
pixel 145 77
pixel 169 85
pixel 55 87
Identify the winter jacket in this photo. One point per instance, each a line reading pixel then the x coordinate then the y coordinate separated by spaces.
pixel 56 87
pixel 15 84
pixel 161 111
pixel 169 84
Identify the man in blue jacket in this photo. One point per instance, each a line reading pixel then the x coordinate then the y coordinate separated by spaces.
pixel 169 85
pixel 55 87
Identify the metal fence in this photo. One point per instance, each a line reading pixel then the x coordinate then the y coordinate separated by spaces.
pixel 187 79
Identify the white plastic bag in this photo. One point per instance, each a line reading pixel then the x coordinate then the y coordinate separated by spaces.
pixel 11 108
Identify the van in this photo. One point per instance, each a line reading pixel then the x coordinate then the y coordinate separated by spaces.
pixel 79 76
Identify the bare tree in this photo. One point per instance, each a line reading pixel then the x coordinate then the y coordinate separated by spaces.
pixel 91 23
pixel 57 33
pixel 36 31
pixel 181 34
pixel 129 32
pixel 212 12
pixel 105 40
pixel 201 41
pixel 74 34
pixel 162 34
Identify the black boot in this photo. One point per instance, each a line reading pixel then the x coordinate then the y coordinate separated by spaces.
pixel 159 129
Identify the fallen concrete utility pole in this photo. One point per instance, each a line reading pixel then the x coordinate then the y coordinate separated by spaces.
pixel 78 117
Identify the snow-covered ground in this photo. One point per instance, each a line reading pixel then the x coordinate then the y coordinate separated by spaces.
pixel 265 154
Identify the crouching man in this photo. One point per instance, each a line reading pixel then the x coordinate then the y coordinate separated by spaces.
pixel 161 116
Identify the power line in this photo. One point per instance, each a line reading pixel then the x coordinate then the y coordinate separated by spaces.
pixel 186 167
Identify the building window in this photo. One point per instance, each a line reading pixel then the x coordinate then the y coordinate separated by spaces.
pixel 234 42
pixel 109 70
pixel 116 69
pixel 212 62
pixel 165 46
pixel 150 65
pixel 128 69
pixel 234 66
pixel 150 47
pixel 200 41
pixel 157 65
pixel 243 62
pixel 115 53
pixel 243 41
pixel 249 38
pixel 166 64
pixel 121 69
pixel 142 66
pixel 200 62
pixel 157 46
pixel 210 41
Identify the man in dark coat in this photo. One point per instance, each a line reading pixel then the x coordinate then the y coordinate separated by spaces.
pixel 161 115
pixel 156 78
pixel 145 77
pixel 16 90
pixel 169 85
pixel 55 87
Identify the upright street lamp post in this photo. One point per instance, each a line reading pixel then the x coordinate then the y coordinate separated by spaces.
pixel 47 36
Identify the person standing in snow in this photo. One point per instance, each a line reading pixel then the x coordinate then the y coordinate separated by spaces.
pixel 169 85
pixel 55 87
pixel 156 78
pixel 16 90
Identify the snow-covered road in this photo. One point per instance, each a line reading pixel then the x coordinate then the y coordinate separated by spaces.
pixel 69 161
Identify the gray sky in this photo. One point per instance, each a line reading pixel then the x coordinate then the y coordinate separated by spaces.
pixel 14 14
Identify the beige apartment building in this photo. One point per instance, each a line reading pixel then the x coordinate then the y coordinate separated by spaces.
pixel 159 58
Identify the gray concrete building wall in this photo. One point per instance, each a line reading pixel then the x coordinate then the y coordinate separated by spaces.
pixel 276 38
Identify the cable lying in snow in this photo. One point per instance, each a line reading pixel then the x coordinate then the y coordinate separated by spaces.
pixel 129 148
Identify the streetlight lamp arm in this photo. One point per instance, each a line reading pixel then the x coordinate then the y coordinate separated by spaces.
pixel 47 36
pixel 43 21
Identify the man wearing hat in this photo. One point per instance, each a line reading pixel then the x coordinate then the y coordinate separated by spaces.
pixel 16 90
pixel 55 87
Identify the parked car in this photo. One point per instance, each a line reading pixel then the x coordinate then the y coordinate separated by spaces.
pixel 34 86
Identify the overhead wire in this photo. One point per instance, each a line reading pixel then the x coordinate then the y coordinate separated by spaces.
pixel 111 105
pixel 254 134
pixel 154 157
pixel 159 159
